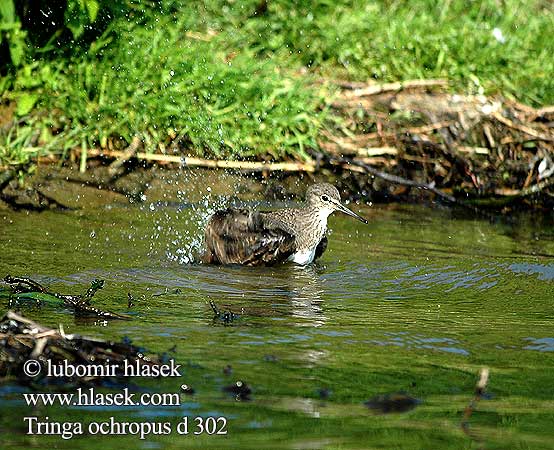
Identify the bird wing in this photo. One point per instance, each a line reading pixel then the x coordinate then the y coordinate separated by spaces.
pixel 240 236
pixel 320 247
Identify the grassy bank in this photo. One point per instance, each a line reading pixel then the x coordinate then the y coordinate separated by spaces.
pixel 233 79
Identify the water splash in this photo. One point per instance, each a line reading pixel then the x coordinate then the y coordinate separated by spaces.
pixel 178 228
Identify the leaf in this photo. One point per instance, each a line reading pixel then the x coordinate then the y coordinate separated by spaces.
pixel 10 28
pixel 7 12
pixel 92 7
pixel 76 17
pixel 25 103
pixel 17 45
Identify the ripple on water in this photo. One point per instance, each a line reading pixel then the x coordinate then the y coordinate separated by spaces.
pixel 415 341
pixel 425 292
pixel 545 272
pixel 540 344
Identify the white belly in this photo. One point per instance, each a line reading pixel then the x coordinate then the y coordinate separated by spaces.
pixel 303 257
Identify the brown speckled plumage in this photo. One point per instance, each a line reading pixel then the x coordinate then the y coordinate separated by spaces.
pixel 240 236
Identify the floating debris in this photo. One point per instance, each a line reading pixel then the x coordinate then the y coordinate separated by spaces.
pixel 172 349
pixel 24 289
pixel 240 390
pixel 324 393
pixel 392 403
pixel 23 340
pixel 166 291
pixel 130 300
pixel 227 317
pixel 187 389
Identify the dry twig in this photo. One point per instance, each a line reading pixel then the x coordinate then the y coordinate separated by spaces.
pixel 391 87
pixel 211 163
pixel 22 338
pixel 399 180
pixel 524 129
pixel 125 156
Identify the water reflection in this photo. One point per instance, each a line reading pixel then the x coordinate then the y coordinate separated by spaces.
pixel 286 290
pixel 383 295
pixel 306 294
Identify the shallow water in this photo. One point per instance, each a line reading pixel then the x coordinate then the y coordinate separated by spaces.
pixel 417 302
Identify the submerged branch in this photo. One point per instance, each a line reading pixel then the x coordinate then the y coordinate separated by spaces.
pixel 23 284
pixel 79 303
pixel 480 388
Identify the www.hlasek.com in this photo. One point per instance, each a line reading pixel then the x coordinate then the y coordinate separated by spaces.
pixel 92 397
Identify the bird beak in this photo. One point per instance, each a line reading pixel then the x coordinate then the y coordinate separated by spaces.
pixel 345 210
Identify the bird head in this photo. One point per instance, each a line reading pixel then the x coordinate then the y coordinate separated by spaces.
pixel 325 196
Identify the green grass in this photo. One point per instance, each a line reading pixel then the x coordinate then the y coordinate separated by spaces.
pixel 242 85
pixel 398 40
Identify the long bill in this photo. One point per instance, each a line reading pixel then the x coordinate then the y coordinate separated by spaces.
pixel 345 210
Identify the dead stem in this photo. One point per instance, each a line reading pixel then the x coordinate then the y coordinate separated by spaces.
pixel 524 129
pixel 398 86
pixel 23 338
pixel 479 391
pixel 255 166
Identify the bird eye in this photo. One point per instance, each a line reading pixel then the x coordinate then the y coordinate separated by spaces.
pixel 324 198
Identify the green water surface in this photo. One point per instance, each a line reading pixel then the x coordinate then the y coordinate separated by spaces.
pixel 417 302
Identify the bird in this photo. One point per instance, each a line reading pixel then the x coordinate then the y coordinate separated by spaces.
pixel 258 238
